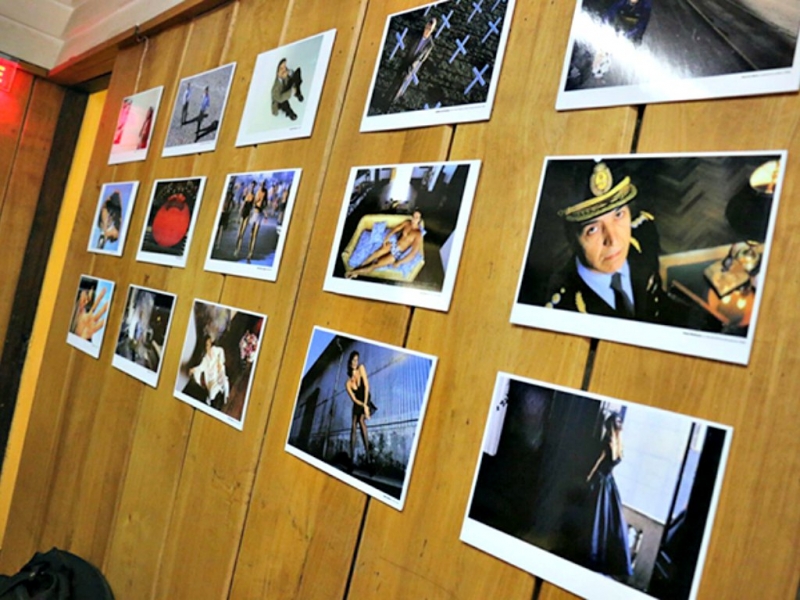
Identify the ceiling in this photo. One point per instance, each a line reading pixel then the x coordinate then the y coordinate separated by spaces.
pixel 47 33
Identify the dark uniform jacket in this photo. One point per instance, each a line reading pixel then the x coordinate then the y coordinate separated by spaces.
pixel 568 291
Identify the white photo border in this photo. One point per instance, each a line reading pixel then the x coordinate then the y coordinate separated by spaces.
pixel 254 271
pixel 562 572
pixel 87 346
pixel 105 189
pixel 117 158
pixel 342 476
pixel 715 346
pixel 433 300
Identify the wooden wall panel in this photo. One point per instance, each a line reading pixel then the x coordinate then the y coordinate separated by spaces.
pixel 15 105
pixel 754 544
pixel 416 553
pixel 21 190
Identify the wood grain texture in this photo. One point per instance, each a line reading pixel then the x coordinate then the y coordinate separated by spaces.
pixel 15 106
pixel 416 553
pixel 754 544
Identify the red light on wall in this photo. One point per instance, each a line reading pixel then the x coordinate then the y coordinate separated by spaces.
pixel 8 70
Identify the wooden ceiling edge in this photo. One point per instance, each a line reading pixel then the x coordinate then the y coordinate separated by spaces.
pixel 99 61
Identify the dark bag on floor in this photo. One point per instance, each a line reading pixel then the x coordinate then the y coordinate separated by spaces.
pixel 56 575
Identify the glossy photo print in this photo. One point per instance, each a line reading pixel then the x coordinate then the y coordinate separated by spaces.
pixel 171 217
pixel 143 333
pixel 218 360
pixel 401 231
pixel 135 124
pixel 438 64
pixel 359 412
pixel 602 497
pixel 644 51
pixel 112 217
pixel 252 221
pixel 198 111
pixel 285 90
pixel 662 251
pixel 87 327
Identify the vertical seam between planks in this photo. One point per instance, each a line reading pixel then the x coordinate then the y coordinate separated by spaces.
pixel 356 550
pixel 13 162
pixel 324 163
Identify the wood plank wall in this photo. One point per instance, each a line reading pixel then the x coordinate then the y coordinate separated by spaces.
pixel 174 504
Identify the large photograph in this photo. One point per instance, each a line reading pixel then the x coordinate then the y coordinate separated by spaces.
pixel 401 231
pixel 198 111
pixel 285 90
pixel 218 360
pixel 112 217
pixel 143 333
pixel 438 64
pixel 135 124
pixel 645 51
pixel 662 251
pixel 359 412
pixel 169 225
pixel 252 221
pixel 605 498
pixel 87 327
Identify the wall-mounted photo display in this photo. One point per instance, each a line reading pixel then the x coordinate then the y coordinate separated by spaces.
pixel 663 251
pixel 359 412
pixel 112 217
pixel 252 220
pixel 171 217
pixel 143 333
pixel 87 327
pixel 438 64
pixel 624 52
pixel 285 90
pixel 135 124
pixel 198 110
pixel 218 360
pixel 401 231
pixel 602 497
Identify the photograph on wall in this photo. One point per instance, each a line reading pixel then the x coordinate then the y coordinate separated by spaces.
pixel 359 412
pixel 135 123
pixel 401 231
pixel 218 360
pixel 438 64
pixel 87 327
pixel 285 90
pixel 252 220
pixel 143 333
pixel 624 52
pixel 664 251
pixel 602 497
pixel 171 217
pixel 112 217
pixel 198 111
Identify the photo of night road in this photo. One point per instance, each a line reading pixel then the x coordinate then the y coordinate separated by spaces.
pixel 629 42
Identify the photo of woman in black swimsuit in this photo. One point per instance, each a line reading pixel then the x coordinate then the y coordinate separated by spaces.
pixel 357 387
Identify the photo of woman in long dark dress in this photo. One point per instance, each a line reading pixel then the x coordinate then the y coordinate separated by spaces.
pixel 357 387
pixel 608 549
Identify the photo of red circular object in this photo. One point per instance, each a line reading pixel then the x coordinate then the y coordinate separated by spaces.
pixel 172 221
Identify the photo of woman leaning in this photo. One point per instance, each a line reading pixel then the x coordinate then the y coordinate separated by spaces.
pixel 357 387
pixel 608 551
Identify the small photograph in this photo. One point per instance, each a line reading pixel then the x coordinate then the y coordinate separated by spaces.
pixel 89 314
pixel 602 497
pixel 359 412
pixel 218 360
pixel 662 251
pixel 285 90
pixel 171 217
pixel 253 216
pixel 112 217
pixel 625 52
pixel 198 111
pixel 143 333
pixel 438 64
pixel 401 231
pixel 135 123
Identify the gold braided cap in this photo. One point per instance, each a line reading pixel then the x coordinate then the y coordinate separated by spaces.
pixel 606 198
